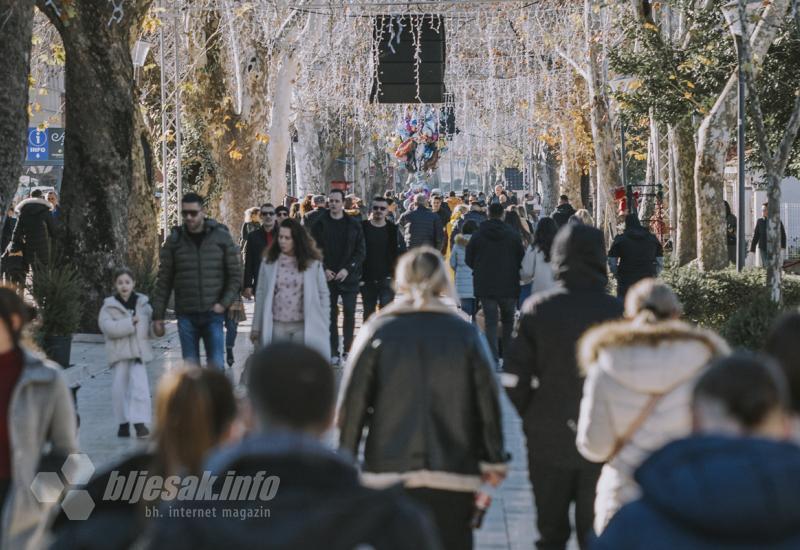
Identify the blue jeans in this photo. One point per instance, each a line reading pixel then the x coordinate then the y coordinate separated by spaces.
pixel 469 306
pixel 231 330
pixel 524 293
pixel 207 327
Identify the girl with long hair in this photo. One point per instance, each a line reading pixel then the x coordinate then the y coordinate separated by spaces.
pixel 292 297
pixel 536 272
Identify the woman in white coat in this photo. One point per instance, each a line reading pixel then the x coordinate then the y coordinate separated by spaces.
pixel 536 271
pixel 125 322
pixel 640 373
pixel 292 296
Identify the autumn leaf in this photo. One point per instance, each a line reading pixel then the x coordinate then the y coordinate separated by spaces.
pixel 235 154
pixel 650 27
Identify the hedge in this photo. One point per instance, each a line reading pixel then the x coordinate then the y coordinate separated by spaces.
pixel 737 305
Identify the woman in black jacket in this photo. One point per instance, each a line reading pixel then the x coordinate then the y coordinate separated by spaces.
pixel 431 404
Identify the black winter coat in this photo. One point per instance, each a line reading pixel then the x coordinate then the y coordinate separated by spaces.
pixel 319 503
pixel 200 276
pixel 421 227
pixel 495 255
pixel 310 219
pixel 432 405
pixel 34 231
pixel 562 214
pixel 637 250
pixel 355 249
pixel 396 246
pixel 253 254
pixel 541 368
pixel 760 235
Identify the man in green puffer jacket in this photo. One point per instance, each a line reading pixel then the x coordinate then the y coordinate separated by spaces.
pixel 201 263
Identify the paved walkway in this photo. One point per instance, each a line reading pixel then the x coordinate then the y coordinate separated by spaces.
pixel 509 524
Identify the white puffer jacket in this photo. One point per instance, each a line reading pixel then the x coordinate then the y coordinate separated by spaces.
pixel 124 340
pixel 626 363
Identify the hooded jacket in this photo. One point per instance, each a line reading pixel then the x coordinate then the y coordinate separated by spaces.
pixel 495 255
pixel 319 503
pixel 626 363
pixel 562 213
pixel 124 340
pixel 541 369
pixel 34 230
pixel 711 492
pixel 201 276
pixel 637 250
pixel 463 273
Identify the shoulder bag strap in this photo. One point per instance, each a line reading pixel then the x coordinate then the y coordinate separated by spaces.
pixel 635 425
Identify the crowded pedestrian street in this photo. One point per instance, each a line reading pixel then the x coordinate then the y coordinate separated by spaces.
pixel 399 275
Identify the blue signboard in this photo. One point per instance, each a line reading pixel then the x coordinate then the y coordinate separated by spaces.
pixel 45 147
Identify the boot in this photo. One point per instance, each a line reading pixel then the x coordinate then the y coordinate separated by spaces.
pixel 141 430
pixel 230 357
pixel 124 430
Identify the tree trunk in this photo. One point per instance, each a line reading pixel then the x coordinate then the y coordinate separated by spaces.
pixel 608 174
pixel 279 127
pixel 547 176
pixel 16 29
pixel 681 142
pixel 647 205
pixel 713 139
pixel 107 197
pixel 308 156
pixel 569 174
pixel 775 264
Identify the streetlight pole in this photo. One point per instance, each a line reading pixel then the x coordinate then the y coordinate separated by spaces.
pixel 741 245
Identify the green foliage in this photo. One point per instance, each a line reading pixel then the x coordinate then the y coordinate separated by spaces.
pixel 777 91
pixel 673 78
pixel 735 304
pixel 56 287
pixel 749 325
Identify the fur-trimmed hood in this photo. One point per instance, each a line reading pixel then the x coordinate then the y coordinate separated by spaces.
pixel 647 357
pixel 28 202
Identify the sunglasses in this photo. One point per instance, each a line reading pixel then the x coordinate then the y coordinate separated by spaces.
pixel 267 213
pixel 190 213
pixel 381 208
pixel 283 214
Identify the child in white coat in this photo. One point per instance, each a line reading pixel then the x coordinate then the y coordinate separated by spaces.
pixel 125 323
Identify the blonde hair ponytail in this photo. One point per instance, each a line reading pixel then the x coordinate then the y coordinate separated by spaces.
pixel 650 301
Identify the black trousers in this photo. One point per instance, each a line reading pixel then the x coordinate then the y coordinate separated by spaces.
pixel 507 307
pixel 349 298
pixel 555 488
pixel 450 512
pixel 374 293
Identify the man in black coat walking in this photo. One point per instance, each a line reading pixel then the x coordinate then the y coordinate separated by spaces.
pixel 636 254
pixel 298 493
pixel 383 246
pixel 542 379
pixel 421 227
pixel 35 230
pixel 255 244
pixel 563 211
pixel 495 254
pixel 341 240
pixel 760 236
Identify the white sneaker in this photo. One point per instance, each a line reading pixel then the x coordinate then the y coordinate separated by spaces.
pixel 344 359
pixel 335 361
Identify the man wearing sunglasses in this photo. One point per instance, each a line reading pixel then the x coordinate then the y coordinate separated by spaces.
pixel 341 240
pixel 201 264
pixel 257 242
pixel 383 245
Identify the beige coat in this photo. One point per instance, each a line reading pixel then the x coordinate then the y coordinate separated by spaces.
pixel 41 411
pixel 124 340
pixel 316 306
pixel 626 363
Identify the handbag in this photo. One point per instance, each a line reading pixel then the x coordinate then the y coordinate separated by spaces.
pixel 236 311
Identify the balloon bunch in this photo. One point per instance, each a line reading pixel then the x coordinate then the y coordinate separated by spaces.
pixel 416 142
